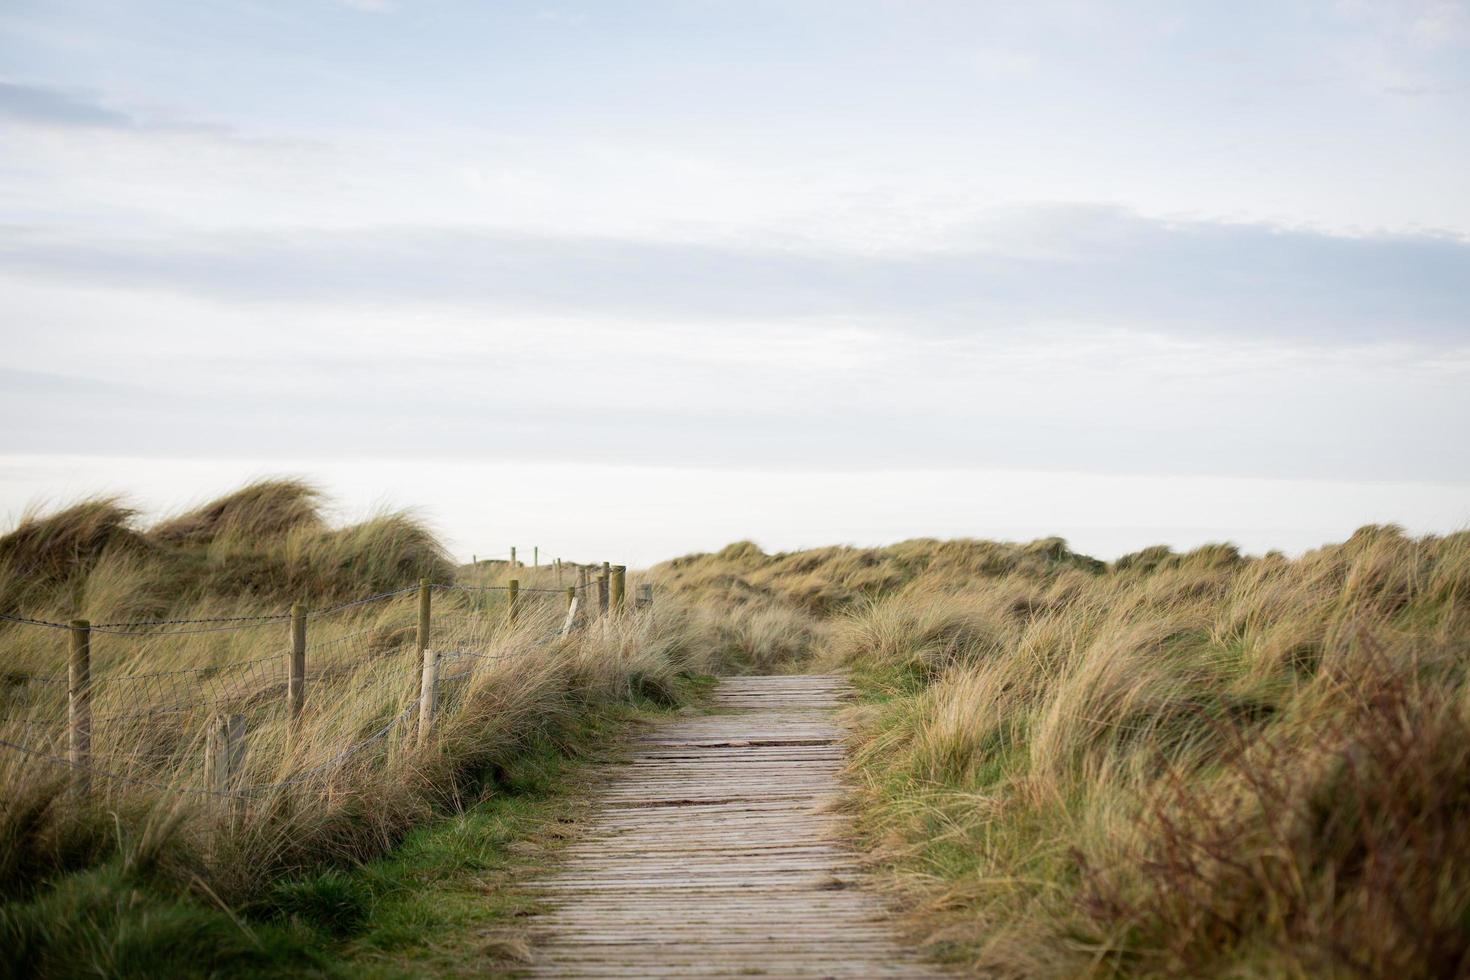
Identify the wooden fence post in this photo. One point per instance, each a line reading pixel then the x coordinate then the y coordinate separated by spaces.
pixel 571 620
pixel 558 573
pixel 296 668
pixel 79 703
pixel 223 762
pixel 515 594
pixel 424 611
pixel 428 694
pixel 602 583
pixel 644 601
pixel 535 556
pixel 619 588
pixel 512 558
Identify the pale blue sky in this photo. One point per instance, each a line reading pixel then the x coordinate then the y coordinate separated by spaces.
pixel 1118 243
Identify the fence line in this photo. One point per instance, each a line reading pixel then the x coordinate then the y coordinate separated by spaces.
pixel 273 617
pixel 248 791
pixel 226 733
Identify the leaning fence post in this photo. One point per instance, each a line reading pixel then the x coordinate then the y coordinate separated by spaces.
pixel 619 588
pixel 571 620
pixel 428 694
pixel 423 634
pixel 296 667
pixel 79 702
pixel 514 591
pixel 224 759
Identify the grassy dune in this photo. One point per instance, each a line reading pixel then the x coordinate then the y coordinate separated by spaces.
pixel 133 880
pixel 1198 764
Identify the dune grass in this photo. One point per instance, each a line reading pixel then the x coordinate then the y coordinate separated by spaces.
pixel 1197 764
pixel 1176 764
pixel 264 545
pixel 444 901
pixel 103 882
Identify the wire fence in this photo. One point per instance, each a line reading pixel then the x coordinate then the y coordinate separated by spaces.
pixel 269 693
pixel 255 790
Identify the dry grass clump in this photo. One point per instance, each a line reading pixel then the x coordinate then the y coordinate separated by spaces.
pixel 831 580
pixel 1198 769
pixel 264 509
pixel 924 633
pixel 351 781
pixel 762 638
pixel 344 785
pixel 769 611
pixel 43 558
pixel 267 543
pixel 1344 847
pixel 1182 764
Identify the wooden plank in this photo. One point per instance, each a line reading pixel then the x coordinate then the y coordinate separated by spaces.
pixel 714 853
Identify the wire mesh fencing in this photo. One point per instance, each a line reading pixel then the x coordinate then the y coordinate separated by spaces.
pixel 259 704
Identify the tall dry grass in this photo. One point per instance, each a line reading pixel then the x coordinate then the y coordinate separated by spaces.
pixel 354 777
pixel 1182 764
pixel 264 545
pixel 1196 764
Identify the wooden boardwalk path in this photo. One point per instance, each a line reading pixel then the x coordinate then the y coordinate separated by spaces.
pixel 713 854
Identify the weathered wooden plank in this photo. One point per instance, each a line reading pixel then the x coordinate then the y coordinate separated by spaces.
pixel 714 853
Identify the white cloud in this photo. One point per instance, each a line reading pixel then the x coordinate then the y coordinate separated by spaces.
pixel 1442 23
pixel 1025 268
pixel 800 237
pixel 319 380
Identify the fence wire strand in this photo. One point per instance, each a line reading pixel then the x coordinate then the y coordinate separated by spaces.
pixel 215 687
pixel 246 791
